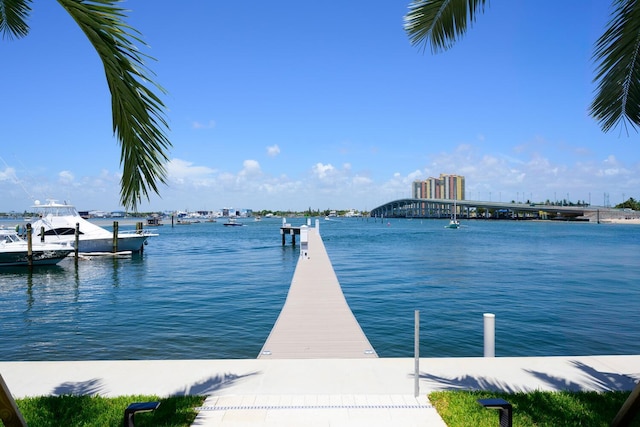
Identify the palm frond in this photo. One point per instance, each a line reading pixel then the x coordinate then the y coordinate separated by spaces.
pixel 440 23
pixel 138 113
pixel 13 18
pixel 617 52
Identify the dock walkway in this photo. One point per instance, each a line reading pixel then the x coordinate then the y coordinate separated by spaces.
pixel 316 321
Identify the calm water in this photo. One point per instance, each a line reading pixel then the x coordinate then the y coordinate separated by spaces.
pixel 208 291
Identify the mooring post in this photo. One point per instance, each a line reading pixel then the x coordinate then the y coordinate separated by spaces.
pixel 77 242
pixel 115 236
pixel 29 245
pixel 489 335
pixel 42 234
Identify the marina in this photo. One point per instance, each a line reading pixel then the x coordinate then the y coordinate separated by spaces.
pixel 212 292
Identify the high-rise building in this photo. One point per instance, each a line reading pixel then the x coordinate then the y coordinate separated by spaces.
pixel 445 187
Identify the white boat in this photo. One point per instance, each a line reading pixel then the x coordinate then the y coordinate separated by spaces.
pixel 453 223
pixel 231 222
pixel 59 223
pixel 14 251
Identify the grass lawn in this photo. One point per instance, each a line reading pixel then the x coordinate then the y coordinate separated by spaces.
pixel 457 409
pixel 95 411
pixel 534 409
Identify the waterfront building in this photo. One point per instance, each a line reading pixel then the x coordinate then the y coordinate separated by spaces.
pixel 445 187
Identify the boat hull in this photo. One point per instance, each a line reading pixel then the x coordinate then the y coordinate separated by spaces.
pixel 130 243
pixel 39 257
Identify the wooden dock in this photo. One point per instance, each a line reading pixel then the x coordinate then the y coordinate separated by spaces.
pixel 316 321
pixel 287 229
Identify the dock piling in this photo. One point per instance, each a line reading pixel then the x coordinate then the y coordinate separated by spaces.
pixel 77 240
pixel 115 236
pixel 29 245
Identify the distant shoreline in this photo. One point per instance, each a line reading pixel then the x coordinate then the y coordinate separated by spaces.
pixel 620 220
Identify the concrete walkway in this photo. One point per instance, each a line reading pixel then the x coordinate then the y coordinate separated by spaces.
pixel 292 392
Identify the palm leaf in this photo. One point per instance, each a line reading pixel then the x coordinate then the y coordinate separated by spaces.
pixel 13 18
pixel 440 22
pixel 617 52
pixel 138 113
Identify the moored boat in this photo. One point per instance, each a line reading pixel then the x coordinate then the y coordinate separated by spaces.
pixel 58 221
pixel 14 251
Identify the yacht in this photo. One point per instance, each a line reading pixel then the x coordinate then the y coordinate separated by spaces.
pixel 58 222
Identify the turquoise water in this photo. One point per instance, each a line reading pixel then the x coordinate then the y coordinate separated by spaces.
pixel 208 291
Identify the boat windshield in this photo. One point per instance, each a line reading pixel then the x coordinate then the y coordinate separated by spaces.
pixel 56 209
pixel 9 237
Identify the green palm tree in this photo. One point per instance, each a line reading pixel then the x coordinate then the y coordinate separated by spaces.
pixel 440 23
pixel 137 112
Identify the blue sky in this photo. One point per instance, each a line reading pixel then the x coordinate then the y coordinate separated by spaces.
pixel 291 105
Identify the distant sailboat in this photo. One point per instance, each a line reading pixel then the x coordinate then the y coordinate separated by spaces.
pixel 453 223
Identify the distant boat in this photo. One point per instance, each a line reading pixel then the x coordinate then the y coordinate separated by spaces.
pixel 154 221
pixel 453 223
pixel 231 222
pixel 14 251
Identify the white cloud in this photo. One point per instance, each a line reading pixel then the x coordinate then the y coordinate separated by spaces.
pixel 250 168
pixel 9 174
pixel 360 183
pixel 273 150
pixel 322 171
pixel 199 125
pixel 181 170
pixel 66 177
pixel 415 175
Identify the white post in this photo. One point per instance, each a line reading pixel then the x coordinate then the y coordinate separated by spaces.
pixel 304 242
pixel 416 346
pixel 318 226
pixel 309 222
pixel 489 335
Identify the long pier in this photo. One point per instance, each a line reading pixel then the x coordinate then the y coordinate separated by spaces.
pixel 316 321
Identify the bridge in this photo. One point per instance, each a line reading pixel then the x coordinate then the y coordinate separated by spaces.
pixel 443 208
